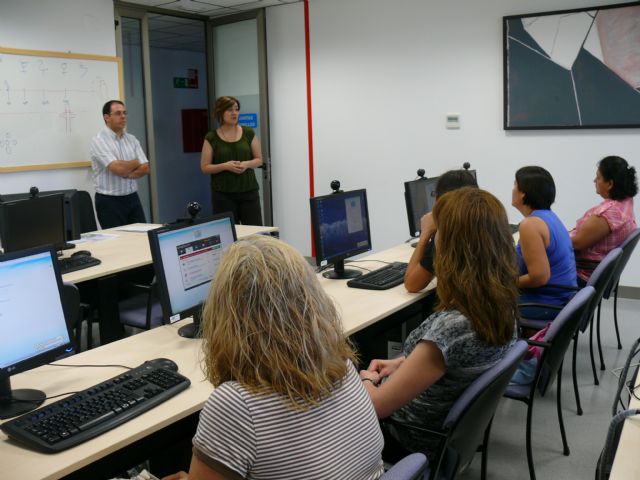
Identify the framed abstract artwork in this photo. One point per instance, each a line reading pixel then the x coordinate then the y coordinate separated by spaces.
pixel 573 68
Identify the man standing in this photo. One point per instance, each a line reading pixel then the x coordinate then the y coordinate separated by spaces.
pixel 117 161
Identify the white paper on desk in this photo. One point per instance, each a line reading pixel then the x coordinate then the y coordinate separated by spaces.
pixel 137 228
pixel 93 237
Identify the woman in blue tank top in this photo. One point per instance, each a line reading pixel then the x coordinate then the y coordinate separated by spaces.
pixel 545 253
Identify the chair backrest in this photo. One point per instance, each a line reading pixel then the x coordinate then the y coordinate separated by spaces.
pixel 83 218
pixel 627 247
pixel 600 279
pixel 560 333
pixel 470 415
pixel 71 308
pixel 411 467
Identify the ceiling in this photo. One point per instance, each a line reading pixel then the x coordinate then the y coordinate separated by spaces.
pixel 211 8
pixel 179 33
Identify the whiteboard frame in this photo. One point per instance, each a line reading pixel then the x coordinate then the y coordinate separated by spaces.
pixel 78 56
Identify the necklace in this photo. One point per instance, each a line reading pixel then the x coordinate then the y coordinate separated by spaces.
pixel 222 134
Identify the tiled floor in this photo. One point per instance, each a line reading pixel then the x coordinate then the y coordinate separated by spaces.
pixel 585 434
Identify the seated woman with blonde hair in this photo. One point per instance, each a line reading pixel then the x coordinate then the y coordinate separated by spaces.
pixel 472 329
pixel 605 226
pixel 288 402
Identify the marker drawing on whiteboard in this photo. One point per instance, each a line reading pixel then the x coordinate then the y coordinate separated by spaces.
pixel 7 142
pixel 7 89
pixel 42 67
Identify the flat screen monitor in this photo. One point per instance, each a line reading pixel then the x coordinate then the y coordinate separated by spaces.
pixel 340 225
pixel 33 222
pixel 33 329
pixel 185 259
pixel 419 196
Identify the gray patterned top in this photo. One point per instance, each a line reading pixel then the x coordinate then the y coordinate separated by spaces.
pixel 466 357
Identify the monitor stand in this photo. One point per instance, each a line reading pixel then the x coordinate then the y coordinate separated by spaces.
pixel 192 330
pixel 17 402
pixel 341 273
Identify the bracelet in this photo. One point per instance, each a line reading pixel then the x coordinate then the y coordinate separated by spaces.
pixel 369 380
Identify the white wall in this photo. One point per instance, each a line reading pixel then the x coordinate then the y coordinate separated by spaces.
pixel 78 26
pixel 384 74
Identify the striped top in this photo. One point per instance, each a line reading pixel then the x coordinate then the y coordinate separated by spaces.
pixel 106 147
pixel 258 436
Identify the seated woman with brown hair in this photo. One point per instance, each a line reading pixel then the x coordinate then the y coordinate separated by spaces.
pixel 605 226
pixel 288 402
pixel 473 328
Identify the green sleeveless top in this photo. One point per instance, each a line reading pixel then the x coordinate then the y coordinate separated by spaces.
pixel 223 151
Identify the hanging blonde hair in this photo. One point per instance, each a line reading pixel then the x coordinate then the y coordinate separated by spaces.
pixel 268 324
pixel 476 262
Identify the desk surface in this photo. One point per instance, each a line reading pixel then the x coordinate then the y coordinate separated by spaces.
pixel 125 250
pixel 626 464
pixel 359 308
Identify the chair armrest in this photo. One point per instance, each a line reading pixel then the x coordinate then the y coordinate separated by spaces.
pixel 541 305
pixel 562 287
pixel 537 343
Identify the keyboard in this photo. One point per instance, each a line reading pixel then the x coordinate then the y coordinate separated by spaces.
pixel 71 264
pixel 381 279
pixel 85 415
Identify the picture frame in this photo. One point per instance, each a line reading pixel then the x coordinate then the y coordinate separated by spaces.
pixel 572 69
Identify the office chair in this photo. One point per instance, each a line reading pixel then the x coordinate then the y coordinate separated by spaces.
pixel 599 280
pixel 72 312
pixel 555 345
pixel 411 467
pixel 627 247
pixel 467 427
pixel 142 310
pixel 620 411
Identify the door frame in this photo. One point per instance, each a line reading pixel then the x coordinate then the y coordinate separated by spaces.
pixel 263 90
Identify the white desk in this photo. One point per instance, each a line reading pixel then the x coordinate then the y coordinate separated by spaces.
pixel 128 250
pixel 359 309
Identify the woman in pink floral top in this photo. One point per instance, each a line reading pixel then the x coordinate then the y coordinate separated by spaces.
pixel 605 226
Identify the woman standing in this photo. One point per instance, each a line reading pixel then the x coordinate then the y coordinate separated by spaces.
pixel 229 154
pixel 605 226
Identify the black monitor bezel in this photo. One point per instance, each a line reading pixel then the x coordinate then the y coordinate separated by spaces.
pixel 414 229
pixel 8 236
pixel 50 355
pixel 315 227
pixel 161 280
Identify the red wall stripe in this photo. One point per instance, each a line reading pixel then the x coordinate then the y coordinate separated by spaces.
pixel 307 49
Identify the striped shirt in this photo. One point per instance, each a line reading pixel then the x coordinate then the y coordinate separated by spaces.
pixel 106 147
pixel 258 436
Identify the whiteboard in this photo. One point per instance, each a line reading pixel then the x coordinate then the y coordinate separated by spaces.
pixel 51 106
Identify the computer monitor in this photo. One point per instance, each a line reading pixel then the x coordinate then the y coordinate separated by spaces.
pixel 33 330
pixel 419 196
pixel 340 225
pixel 185 259
pixel 33 222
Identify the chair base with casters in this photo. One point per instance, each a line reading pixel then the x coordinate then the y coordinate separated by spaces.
pixel 468 423
pixel 562 330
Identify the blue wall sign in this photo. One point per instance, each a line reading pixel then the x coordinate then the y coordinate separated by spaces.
pixel 248 120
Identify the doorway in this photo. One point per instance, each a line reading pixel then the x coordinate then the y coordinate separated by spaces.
pixel 174 68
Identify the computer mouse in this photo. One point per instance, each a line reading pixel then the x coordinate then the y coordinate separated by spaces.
pixel 83 253
pixel 163 363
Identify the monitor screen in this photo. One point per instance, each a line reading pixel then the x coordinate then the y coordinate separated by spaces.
pixel 340 224
pixel 186 259
pixel 32 333
pixel 33 222
pixel 420 196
